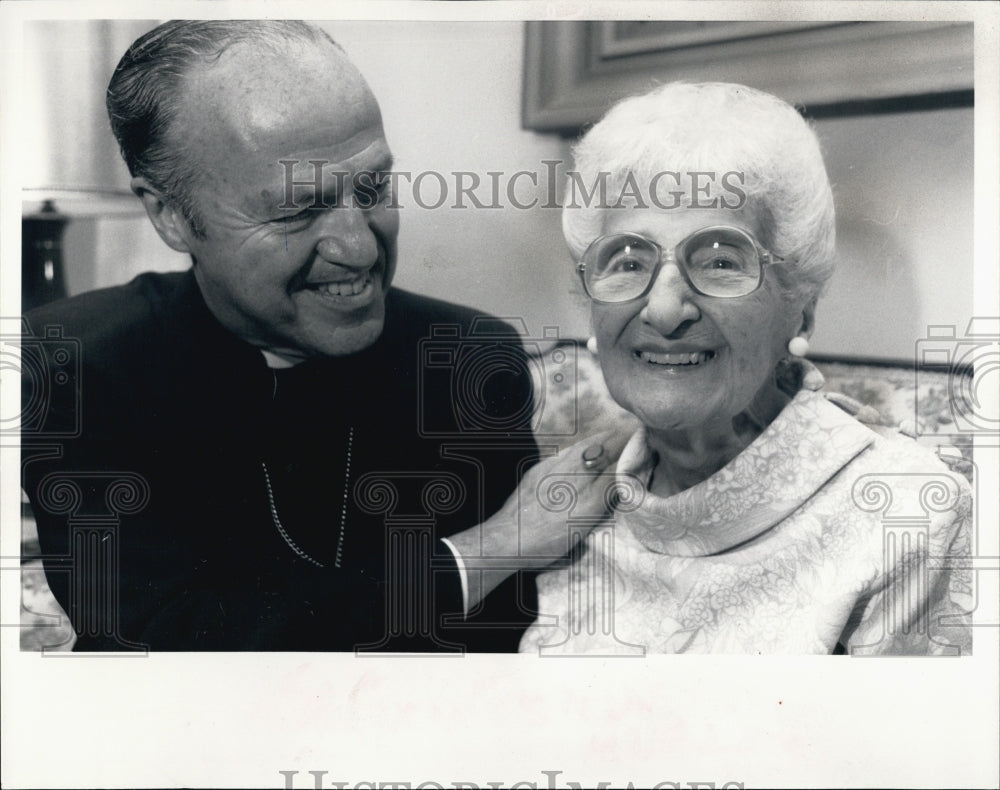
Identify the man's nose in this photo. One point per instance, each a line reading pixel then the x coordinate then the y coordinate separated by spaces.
pixel 347 239
pixel 670 303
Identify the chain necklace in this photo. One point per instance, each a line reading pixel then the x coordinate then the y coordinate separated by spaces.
pixel 276 519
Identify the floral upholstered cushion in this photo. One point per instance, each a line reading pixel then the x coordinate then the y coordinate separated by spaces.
pixel 929 405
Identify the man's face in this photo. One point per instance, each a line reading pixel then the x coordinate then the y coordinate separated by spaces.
pixel 299 280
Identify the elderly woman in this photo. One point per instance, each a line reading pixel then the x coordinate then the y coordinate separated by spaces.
pixel 758 516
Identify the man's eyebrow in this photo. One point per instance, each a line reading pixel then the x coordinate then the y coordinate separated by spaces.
pixel 308 195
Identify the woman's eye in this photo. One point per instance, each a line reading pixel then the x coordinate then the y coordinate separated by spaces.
pixel 624 264
pixel 717 261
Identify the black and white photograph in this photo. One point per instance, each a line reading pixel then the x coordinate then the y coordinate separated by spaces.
pixel 488 394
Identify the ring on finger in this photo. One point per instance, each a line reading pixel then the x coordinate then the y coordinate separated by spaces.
pixel 593 456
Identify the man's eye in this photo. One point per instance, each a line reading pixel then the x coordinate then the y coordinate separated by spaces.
pixel 299 218
pixel 372 188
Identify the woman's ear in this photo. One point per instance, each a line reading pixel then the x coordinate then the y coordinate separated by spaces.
pixel 165 216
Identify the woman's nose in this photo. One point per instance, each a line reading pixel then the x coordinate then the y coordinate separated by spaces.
pixel 670 302
pixel 347 238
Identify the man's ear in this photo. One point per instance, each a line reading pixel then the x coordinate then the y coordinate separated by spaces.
pixel 808 318
pixel 165 216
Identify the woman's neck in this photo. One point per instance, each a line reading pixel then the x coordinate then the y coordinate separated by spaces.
pixel 686 457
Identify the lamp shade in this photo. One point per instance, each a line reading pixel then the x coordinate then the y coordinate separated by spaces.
pixel 70 166
pixel 70 156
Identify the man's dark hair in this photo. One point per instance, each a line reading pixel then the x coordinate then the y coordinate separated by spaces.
pixel 144 93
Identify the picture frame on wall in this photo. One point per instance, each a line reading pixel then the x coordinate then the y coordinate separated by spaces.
pixel 575 70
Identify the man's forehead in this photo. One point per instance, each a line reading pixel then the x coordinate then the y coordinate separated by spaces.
pixel 273 101
pixel 247 68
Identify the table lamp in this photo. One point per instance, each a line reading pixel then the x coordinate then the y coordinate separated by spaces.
pixel 71 169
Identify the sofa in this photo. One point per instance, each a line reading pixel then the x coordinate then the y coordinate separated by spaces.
pixel 931 405
pixel 572 402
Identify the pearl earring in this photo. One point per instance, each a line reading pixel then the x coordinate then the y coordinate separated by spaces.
pixel 592 345
pixel 798 346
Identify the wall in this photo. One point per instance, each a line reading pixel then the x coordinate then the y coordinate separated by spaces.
pixel 903 189
pixel 66 141
pixel 451 97
pixel 902 184
pixel 451 101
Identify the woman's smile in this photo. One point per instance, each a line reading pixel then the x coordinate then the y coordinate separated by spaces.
pixel 683 359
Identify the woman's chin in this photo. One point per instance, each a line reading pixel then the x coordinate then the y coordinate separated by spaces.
pixel 679 416
pixel 672 400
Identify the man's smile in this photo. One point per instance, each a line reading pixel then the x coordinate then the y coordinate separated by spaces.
pixel 351 287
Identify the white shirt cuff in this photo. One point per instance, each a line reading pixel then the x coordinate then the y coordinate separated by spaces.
pixel 462 574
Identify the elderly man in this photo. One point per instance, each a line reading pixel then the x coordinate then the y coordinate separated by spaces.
pixel 256 459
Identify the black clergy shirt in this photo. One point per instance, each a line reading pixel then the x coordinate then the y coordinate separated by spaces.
pixel 189 497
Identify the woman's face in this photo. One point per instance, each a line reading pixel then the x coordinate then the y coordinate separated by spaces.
pixel 730 346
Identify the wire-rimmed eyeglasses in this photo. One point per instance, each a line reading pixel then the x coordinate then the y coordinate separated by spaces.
pixel 718 261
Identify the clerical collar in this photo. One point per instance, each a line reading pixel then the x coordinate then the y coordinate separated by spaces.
pixel 278 362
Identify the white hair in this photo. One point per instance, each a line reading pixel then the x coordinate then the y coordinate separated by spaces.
pixel 717 127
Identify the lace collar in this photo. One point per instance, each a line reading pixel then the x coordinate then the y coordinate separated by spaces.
pixel 806 445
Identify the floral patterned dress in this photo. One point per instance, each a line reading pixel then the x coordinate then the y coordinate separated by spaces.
pixel 824 535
